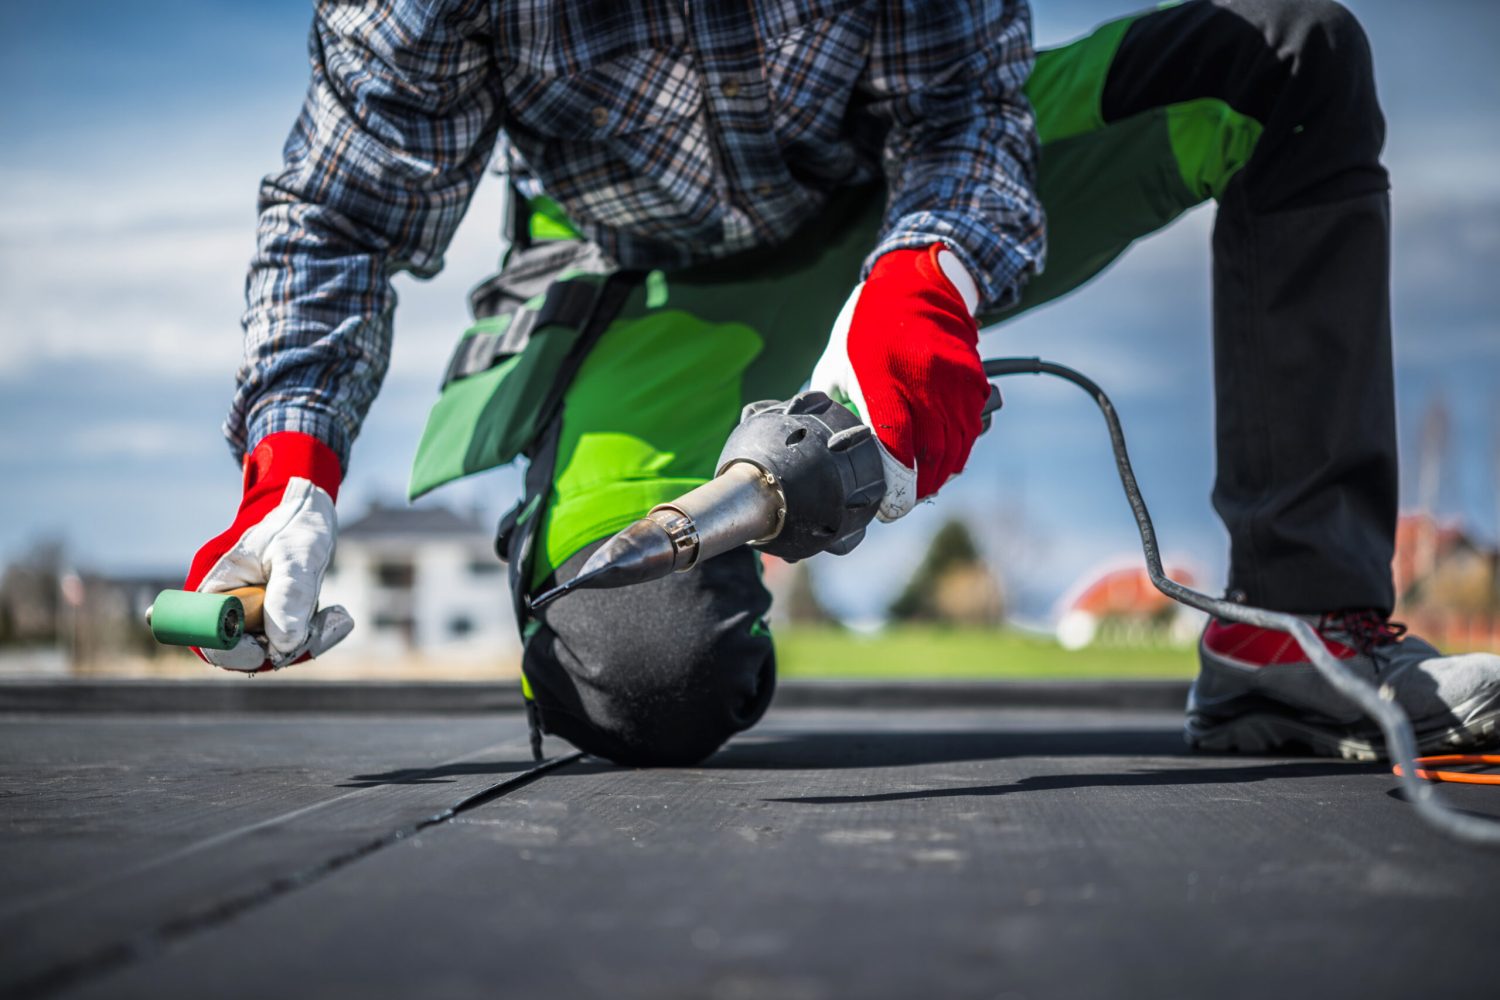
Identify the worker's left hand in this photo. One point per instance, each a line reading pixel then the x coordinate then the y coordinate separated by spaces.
pixel 905 354
pixel 282 539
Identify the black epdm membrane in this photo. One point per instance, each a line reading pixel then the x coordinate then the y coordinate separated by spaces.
pixel 979 845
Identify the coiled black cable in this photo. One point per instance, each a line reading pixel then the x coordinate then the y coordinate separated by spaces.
pixel 1378 703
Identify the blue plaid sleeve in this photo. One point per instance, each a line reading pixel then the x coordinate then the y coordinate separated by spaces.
pixel 393 137
pixel 960 153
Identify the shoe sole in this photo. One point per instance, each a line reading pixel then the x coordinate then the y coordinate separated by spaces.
pixel 1266 732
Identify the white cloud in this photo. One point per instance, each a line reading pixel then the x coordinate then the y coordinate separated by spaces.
pixel 150 274
pixel 129 439
pixel 132 276
pixel 120 302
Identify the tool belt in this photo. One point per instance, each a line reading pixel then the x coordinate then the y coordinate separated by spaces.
pixel 534 322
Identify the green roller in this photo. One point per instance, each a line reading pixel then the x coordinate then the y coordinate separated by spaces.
pixel 188 618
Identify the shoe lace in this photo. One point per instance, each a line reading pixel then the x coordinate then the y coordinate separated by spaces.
pixel 1365 630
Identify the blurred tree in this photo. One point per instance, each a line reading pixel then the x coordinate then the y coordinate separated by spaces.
pixel 802 604
pixel 952 584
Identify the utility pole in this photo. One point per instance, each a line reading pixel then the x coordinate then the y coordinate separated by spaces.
pixel 1431 449
pixel 1495 540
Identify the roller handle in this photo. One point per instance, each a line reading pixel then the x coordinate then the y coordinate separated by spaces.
pixel 253 599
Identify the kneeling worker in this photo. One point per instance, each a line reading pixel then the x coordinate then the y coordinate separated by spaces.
pixel 699 186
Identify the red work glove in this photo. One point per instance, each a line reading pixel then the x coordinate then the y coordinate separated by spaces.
pixel 281 539
pixel 904 353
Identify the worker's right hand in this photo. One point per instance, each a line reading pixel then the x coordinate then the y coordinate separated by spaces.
pixel 904 354
pixel 281 539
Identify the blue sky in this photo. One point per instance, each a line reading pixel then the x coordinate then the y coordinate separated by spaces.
pixel 136 133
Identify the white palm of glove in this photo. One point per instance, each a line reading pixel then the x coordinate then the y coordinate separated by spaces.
pixel 288 553
pixel 834 375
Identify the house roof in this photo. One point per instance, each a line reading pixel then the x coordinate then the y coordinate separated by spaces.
pixel 389 521
pixel 1121 590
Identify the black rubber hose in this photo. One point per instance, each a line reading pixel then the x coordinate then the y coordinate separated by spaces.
pixel 1378 704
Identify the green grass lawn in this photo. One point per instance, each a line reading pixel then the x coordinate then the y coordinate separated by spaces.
pixel 927 652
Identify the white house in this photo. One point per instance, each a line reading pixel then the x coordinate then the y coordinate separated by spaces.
pixel 422 582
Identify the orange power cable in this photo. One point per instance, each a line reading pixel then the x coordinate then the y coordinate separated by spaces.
pixel 1458 777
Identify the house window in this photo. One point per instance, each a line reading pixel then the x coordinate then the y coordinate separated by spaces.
pixel 460 626
pixel 403 625
pixel 396 574
pixel 485 567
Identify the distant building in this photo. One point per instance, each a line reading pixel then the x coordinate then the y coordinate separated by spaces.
pixel 1447 583
pixel 57 621
pixel 1124 604
pixel 422 582
pixel 1428 548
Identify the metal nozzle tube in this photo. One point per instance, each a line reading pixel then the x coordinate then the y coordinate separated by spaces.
pixel 743 504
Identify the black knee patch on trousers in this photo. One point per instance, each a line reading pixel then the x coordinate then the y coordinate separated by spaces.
pixel 659 673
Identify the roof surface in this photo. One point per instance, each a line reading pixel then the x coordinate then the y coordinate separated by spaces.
pixel 831 852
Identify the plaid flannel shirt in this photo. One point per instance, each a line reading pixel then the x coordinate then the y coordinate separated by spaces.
pixel 671 131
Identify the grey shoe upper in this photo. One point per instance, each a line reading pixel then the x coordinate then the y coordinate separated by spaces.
pixel 1437 692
